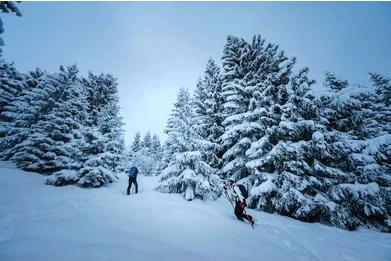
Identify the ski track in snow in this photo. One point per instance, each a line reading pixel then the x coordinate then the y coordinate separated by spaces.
pixel 39 222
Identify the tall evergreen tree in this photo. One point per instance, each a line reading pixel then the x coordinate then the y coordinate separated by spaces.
pixel 278 161
pixel 147 141
pixel 382 104
pixel 351 115
pixel 49 146
pixel 156 148
pixel 320 169
pixel 254 92
pixel 102 141
pixel 187 172
pixel 25 110
pixel 103 156
pixel 167 152
pixel 11 85
pixel 136 145
pixel 149 155
pixel 208 102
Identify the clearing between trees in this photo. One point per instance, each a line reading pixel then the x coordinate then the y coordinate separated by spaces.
pixel 39 222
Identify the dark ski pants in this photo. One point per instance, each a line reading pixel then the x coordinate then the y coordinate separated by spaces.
pixel 239 212
pixel 132 180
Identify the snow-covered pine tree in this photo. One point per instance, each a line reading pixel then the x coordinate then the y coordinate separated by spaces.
pixel 147 142
pixel 104 135
pixel 353 120
pixel 167 152
pixel 236 100
pixel 11 85
pixel 381 103
pixel 146 156
pixel 170 144
pixel 208 102
pixel 7 7
pixel 25 110
pixel 133 148
pixel 333 82
pixel 102 141
pixel 136 145
pixel 145 161
pixel 370 149
pixel 156 148
pixel 277 160
pixel 187 172
pixel 95 170
pixel 254 85
pixel 111 126
pixel 50 145
pixel 323 166
pixel 383 87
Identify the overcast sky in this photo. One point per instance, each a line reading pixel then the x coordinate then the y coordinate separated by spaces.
pixel 155 48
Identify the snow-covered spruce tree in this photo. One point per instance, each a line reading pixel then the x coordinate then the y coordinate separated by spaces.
pixel 50 145
pixel 277 160
pixel 382 103
pixel 167 153
pixel 145 161
pixel 143 158
pixel 136 145
pixel 156 149
pixel 170 144
pixel 102 141
pixel 11 85
pixel 104 155
pixel 254 87
pixel 358 123
pixel 130 150
pixel 208 102
pixel 370 148
pixel 147 142
pixel 126 158
pixel 235 67
pixel 315 166
pixel 187 172
pixel 300 155
pixel 25 110
pixel 299 160
pixel 16 116
pixel 7 7
pixel 148 158
pixel 383 87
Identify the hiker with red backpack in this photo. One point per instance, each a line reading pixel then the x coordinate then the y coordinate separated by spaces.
pixel 240 194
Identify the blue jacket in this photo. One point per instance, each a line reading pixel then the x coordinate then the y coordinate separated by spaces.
pixel 133 171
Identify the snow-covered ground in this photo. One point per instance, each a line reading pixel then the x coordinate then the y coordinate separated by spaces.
pixel 39 222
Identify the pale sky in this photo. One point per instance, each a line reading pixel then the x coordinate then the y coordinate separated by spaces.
pixel 154 48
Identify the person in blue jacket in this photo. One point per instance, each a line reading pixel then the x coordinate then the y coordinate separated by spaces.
pixel 132 173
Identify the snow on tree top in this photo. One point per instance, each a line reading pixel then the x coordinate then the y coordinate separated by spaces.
pixel 317 136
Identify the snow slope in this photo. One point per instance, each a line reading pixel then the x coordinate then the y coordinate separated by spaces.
pixel 39 222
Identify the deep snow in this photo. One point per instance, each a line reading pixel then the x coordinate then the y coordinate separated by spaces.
pixel 39 222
